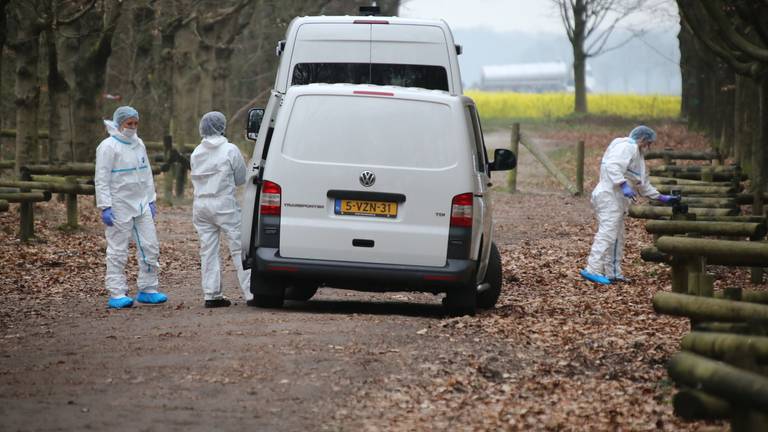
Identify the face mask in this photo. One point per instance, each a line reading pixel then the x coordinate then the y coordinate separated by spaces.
pixel 129 132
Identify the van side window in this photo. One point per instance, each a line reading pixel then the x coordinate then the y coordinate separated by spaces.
pixel 477 130
pixel 404 75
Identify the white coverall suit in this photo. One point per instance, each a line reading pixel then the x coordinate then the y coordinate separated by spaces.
pixel 124 182
pixel 621 162
pixel 217 169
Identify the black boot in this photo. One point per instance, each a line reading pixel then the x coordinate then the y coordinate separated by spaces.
pixel 217 303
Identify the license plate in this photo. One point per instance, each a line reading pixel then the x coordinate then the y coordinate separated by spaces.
pixel 366 208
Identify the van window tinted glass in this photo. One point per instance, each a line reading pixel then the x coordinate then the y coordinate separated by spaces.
pixel 404 75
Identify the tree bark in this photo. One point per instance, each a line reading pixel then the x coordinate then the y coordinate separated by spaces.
pixel 58 101
pixel 579 56
pixel 708 309
pixel 759 161
pixel 720 380
pixel 747 254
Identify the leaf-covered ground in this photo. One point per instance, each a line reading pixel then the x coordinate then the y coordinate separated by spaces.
pixel 556 354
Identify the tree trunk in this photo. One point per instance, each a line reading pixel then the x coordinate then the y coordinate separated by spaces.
pixel 26 48
pixel 720 380
pixel 221 76
pixel 579 57
pixel 744 123
pixel 58 102
pixel 3 36
pixel 708 309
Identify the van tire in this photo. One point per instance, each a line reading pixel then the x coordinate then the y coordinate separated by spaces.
pixel 268 291
pixel 300 291
pixel 460 301
pixel 488 298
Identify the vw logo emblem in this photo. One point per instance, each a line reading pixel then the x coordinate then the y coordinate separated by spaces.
pixel 367 178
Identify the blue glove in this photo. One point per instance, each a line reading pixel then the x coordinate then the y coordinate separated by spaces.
pixel 669 199
pixel 107 217
pixel 627 190
pixel 153 209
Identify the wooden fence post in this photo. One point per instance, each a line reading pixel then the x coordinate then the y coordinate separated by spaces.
pixel 514 146
pixel 580 168
pixel 72 205
pixel 26 212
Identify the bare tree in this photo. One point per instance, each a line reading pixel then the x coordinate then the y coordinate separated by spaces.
pixel 589 25
pixel 26 19
pixel 737 32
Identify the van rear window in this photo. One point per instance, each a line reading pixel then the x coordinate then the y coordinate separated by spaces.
pixel 403 75
pixel 372 131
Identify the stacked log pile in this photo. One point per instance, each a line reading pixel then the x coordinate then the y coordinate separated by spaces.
pixel 722 370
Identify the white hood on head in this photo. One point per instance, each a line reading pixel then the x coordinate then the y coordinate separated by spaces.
pixel 214 141
pixel 112 130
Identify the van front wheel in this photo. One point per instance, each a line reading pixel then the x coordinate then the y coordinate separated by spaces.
pixel 487 299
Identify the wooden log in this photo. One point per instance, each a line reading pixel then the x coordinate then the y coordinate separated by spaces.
pixel 22 197
pixel 720 380
pixel 59 179
pixel 697 189
pixel 699 168
pixel 682 155
pixel 750 296
pixel 11 133
pixel 7 164
pixel 157 146
pixel 693 405
pixel 702 202
pixel 720 346
pixel 544 159
pixel 653 254
pixel 746 253
pixel 743 218
pixel 672 180
pixel 73 169
pixel 747 198
pixel 710 228
pixel 708 309
pixel 55 187
pixel 580 168
pixel 718 327
pixel 680 172
pixel 654 212
pixel 3 206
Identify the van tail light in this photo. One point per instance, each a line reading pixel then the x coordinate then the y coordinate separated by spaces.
pixel 270 199
pixel 461 210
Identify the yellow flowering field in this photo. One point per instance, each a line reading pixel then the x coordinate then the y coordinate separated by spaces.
pixel 554 105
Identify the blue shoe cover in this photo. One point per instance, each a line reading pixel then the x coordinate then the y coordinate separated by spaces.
pixel 151 298
pixel 596 278
pixel 120 303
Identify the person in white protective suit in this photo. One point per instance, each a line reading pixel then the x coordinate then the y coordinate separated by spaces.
pixel 622 176
pixel 125 194
pixel 217 169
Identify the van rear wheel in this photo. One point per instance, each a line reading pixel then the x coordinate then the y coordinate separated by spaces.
pixel 268 291
pixel 300 291
pixel 487 299
pixel 461 301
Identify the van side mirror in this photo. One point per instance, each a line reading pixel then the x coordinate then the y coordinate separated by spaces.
pixel 503 160
pixel 255 117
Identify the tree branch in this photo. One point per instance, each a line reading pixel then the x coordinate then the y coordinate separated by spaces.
pixel 76 16
pixel 728 31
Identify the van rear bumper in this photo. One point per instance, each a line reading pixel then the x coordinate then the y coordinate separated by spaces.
pixel 366 276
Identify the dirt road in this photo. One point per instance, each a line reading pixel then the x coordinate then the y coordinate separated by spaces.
pixel 556 354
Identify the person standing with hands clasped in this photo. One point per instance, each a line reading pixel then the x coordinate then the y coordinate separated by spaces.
pixel 217 169
pixel 125 194
pixel 623 176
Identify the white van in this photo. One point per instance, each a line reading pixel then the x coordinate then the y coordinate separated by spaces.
pixel 377 188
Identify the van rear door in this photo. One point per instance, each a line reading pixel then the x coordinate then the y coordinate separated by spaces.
pixel 367 178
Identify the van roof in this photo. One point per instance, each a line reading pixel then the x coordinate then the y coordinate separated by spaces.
pixel 343 89
pixel 346 19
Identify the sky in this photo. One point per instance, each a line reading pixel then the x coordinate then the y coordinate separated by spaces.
pixel 503 15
